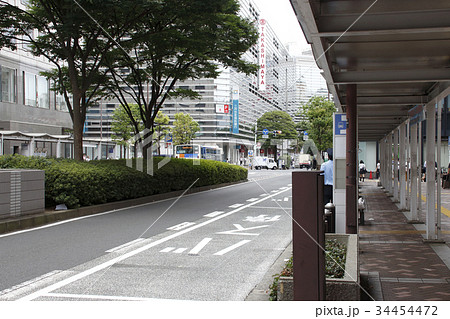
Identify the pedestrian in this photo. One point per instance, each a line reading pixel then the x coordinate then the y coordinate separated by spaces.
pixel 362 170
pixel 327 169
pixel 378 169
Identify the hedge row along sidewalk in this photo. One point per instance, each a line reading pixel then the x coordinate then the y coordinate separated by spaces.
pixel 77 184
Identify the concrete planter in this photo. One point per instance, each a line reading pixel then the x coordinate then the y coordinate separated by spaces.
pixel 337 289
pixel 21 192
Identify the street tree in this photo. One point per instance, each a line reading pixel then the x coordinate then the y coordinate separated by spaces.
pixel 184 129
pixel 318 121
pixel 123 127
pixel 75 37
pixel 162 128
pixel 280 126
pixel 176 41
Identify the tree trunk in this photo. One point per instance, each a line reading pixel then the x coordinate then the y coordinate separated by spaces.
pixel 78 124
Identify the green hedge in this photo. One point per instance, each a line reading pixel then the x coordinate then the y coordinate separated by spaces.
pixel 88 183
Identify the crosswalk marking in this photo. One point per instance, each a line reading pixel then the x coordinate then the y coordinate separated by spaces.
pixel 236 205
pixel 179 250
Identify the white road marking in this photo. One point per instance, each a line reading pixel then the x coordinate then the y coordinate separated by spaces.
pixel 113 261
pixel 226 250
pixel 29 282
pixel 265 194
pixel 77 296
pixel 252 199
pixel 125 245
pixel 283 188
pixel 286 199
pixel 240 228
pixel 261 218
pixel 181 226
pixel 167 250
pixel 179 250
pixel 199 246
pixel 236 205
pixel 289 185
pixel 213 214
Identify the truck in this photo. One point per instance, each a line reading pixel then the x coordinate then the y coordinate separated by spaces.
pixel 305 161
pixel 260 162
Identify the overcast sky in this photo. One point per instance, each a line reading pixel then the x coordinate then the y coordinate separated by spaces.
pixel 282 19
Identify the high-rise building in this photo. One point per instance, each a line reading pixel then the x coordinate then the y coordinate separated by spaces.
pixel 31 115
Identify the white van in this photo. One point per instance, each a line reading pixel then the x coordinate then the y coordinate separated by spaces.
pixel 264 162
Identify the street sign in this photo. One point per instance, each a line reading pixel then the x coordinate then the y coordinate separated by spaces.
pixel 265 131
pixel 250 153
pixel 265 136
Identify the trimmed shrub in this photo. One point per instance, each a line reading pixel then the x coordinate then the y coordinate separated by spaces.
pixel 88 183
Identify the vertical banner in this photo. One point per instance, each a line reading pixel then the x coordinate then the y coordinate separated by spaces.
pixel 235 110
pixel 262 55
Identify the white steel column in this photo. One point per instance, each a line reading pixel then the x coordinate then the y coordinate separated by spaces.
pixel 408 166
pixel 438 155
pixel 396 168
pixel 402 168
pixel 419 164
pixel 58 149
pixel 430 160
pixel 414 170
pixel 390 169
pixel 31 147
pixel 382 162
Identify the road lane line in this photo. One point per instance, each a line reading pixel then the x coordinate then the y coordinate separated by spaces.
pixel 167 250
pixel 120 298
pixel 125 245
pixel 252 199
pixel 199 246
pixel 181 226
pixel 214 214
pixel 118 259
pixel 226 250
pixel 236 205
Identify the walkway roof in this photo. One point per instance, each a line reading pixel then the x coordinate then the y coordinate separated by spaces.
pixel 397 52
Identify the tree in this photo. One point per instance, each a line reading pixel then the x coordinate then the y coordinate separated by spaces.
pixel 123 127
pixel 184 129
pixel 276 121
pixel 162 128
pixel 176 41
pixel 75 37
pixel 318 121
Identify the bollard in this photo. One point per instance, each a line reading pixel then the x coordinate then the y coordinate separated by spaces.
pixel 308 235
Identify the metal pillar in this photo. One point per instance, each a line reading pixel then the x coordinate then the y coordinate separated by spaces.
pixel 419 164
pixel 351 186
pixel 438 155
pixel 390 168
pixel 402 167
pixel 408 166
pixel 430 160
pixel 396 168
pixel 414 172
pixel 382 161
pixel 308 235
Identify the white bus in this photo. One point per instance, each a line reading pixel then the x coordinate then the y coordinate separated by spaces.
pixel 196 151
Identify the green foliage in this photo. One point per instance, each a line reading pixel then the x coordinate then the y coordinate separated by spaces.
pixel 89 183
pixel 123 124
pixel 335 256
pixel 184 129
pixel 318 115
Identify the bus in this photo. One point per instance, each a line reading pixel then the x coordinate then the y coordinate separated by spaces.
pixel 196 151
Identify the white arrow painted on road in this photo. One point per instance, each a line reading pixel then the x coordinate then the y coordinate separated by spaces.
pixel 261 218
pixel 240 229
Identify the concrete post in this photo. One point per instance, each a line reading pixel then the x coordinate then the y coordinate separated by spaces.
pixel 419 164
pixel 58 149
pixel 351 186
pixel 430 160
pixel 414 173
pixel 31 148
pixel 438 155
pixel 390 168
pixel 408 166
pixel 402 168
pixel 382 162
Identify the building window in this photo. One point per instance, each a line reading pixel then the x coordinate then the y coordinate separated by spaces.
pixel 29 88
pixel 8 85
pixel 43 92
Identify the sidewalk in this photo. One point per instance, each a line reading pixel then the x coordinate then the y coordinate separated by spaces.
pixel 393 250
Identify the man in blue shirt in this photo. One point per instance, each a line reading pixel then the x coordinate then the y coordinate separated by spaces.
pixel 327 169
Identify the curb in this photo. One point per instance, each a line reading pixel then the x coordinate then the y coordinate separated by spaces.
pixel 50 216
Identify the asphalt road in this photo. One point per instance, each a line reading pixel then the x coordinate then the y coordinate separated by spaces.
pixel 214 245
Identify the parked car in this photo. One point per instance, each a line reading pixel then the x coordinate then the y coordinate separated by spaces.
pixel 264 162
